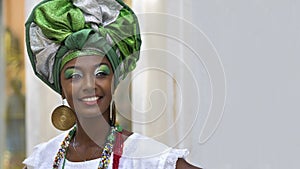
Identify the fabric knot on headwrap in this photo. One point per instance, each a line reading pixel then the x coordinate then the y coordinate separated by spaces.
pixel 58 31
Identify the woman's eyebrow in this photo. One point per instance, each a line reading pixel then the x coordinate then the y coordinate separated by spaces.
pixel 72 67
pixel 99 64
pixel 78 67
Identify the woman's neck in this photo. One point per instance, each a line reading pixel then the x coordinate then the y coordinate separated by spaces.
pixel 92 131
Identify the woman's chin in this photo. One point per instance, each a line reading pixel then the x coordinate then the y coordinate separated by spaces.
pixel 90 114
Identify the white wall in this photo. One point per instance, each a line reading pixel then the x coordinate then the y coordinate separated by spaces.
pixel 257 42
pixel 179 85
pixel 258 45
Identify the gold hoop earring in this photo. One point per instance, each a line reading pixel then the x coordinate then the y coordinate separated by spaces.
pixel 112 113
pixel 63 117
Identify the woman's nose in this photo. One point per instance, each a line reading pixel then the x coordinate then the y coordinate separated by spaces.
pixel 89 83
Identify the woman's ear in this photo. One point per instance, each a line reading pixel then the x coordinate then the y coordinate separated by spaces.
pixel 62 95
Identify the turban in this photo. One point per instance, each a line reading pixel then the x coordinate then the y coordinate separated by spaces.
pixel 58 31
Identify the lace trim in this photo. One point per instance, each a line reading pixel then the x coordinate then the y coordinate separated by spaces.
pixel 173 156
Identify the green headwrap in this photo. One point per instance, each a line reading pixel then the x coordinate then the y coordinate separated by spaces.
pixel 58 31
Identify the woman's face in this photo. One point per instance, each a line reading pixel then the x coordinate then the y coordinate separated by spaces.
pixel 86 84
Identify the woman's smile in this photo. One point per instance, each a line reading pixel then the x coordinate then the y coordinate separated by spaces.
pixel 91 100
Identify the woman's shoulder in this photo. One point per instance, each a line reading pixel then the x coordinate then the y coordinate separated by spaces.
pixel 44 153
pixel 141 151
pixel 148 145
pixel 182 164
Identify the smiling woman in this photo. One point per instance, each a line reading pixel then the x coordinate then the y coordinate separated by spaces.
pixel 86 84
pixel 82 51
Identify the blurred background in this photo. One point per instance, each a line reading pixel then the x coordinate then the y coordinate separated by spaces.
pixel 220 78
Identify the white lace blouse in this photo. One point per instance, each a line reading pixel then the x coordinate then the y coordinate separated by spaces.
pixel 140 152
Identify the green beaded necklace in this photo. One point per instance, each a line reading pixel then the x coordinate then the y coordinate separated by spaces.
pixel 106 153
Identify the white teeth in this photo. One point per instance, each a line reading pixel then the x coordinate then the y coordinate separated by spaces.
pixel 90 99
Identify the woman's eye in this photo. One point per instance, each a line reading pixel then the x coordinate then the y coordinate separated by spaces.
pixel 76 76
pixel 72 74
pixel 102 70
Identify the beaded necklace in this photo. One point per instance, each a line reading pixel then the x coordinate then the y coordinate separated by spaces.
pixel 106 153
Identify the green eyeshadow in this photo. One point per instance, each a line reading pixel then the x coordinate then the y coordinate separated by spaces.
pixel 70 72
pixel 102 69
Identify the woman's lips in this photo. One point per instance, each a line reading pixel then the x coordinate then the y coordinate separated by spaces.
pixel 91 100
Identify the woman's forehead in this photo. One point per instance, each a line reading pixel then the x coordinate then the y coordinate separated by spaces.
pixel 88 60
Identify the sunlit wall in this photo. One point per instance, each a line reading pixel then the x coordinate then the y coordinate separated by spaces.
pixel 2 87
pixel 13 141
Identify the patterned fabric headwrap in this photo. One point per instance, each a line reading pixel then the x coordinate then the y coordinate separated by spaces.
pixel 58 31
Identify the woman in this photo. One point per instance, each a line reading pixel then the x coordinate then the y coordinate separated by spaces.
pixel 82 49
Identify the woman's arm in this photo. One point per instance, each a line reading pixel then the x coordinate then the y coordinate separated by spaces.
pixel 182 164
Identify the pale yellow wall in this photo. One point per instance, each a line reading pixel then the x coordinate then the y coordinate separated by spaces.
pixel 14 17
